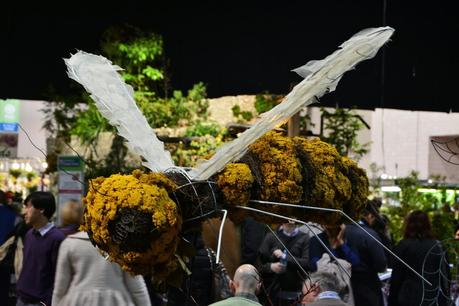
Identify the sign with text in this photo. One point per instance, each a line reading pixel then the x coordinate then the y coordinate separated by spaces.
pixel 70 181
pixel 9 116
pixel 9 126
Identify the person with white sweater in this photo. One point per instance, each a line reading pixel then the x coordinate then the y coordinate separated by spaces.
pixel 84 277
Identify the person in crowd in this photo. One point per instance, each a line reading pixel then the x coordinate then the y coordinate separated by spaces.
pixel 71 217
pixel 365 281
pixel 9 197
pixel 84 277
pixel 424 254
pixel 156 298
pixel 252 235
pixel 322 261
pixel 381 226
pixel 11 252
pixel 41 246
pixel 321 290
pixel 245 285
pixel 196 289
pixel 11 255
pixel 311 228
pixel 284 257
pixel 333 238
pixel 8 219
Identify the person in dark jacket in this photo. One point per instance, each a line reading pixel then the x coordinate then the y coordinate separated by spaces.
pixel 252 235
pixel 196 289
pixel 41 246
pixel 7 220
pixel 12 228
pixel 366 285
pixel 425 255
pixel 333 238
pixel 280 271
pixel 381 227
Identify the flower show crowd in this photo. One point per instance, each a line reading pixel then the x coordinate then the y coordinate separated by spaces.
pixel 337 264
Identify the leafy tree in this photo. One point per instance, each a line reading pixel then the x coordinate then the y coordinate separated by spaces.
pixel 343 126
pixel 142 57
pixel 375 179
pixel 141 54
pixel 187 155
pixel 411 199
pixel 240 115
pixel 202 128
pixel 265 102
pixel 178 110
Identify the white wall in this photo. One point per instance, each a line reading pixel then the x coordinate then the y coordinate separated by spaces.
pixel 31 119
pixel 407 138
pixel 365 135
pixel 400 139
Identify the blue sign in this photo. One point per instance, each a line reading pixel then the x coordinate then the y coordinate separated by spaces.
pixel 9 127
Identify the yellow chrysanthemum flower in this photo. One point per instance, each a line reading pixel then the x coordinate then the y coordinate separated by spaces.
pixel 147 194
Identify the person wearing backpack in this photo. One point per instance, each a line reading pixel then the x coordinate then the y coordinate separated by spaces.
pixel 12 230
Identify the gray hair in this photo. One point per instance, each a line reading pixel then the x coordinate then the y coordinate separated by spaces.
pixel 247 277
pixel 326 281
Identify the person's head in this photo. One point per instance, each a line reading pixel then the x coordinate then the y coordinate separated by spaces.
pixel 9 197
pixel 332 230
pixel 417 225
pixel 39 208
pixel 72 213
pixel 371 212
pixel 318 282
pixel 246 279
pixel 289 226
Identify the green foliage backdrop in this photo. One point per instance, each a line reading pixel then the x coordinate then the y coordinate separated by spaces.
pixel 141 55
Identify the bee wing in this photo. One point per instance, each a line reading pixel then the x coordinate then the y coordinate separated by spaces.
pixel 320 77
pixel 115 101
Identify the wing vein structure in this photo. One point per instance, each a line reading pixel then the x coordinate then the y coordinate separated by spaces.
pixel 115 101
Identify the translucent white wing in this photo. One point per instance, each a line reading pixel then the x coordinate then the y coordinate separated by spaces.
pixel 115 101
pixel 320 77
